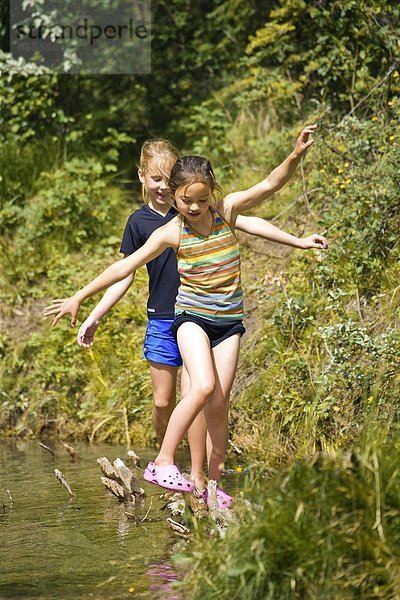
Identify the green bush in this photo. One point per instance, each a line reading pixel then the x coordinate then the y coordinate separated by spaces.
pixel 328 528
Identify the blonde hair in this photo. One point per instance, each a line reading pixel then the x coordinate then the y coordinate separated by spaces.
pixel 163 152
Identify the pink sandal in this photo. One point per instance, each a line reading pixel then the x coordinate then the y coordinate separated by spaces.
pixel 224 499
pixel 167 476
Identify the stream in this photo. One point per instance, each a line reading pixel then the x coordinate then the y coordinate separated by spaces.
pixel 56 547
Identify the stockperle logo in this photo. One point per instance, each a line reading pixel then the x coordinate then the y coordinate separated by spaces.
pixel 83 36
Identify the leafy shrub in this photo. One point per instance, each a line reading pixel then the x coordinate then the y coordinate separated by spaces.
pixel 73 208
pixel 328 528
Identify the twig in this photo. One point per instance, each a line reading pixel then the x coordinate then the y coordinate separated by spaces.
pixel 294 202
pixel 63 481
pixel 147 514
pixel 376 86
pixel 332 358
pixel 46 448
pixel 288 306
pixel 236 448
pixel 9 495
pixel 71 451
pixel 126 426
pixel 394 293
pixel 304 185
pixel 359 306
pixel 336 151
pixel 378 514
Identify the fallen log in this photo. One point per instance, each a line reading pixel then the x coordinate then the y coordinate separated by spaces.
pixel 127 477
pixel 63 481
pixel 178 528
pixel 115 488
pixel 107 468
pixel 133 458
pixel 71 451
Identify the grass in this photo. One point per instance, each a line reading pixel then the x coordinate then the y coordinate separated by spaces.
pixel 329 527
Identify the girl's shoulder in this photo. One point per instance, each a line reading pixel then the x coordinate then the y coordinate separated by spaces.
pixel 170 232
pixel 224 210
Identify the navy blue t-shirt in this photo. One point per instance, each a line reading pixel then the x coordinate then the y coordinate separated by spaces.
pixel 163 270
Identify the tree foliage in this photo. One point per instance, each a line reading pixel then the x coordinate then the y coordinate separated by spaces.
pixel 234 81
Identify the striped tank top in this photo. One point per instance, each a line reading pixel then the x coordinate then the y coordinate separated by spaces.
pixel 209 269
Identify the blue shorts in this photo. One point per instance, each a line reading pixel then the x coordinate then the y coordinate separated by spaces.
pixel 160 344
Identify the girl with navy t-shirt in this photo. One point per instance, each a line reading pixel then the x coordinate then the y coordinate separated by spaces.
pixel 160 346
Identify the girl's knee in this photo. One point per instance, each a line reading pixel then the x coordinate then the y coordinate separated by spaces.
pixel 202 391
pixel 206 388
pixel 163 401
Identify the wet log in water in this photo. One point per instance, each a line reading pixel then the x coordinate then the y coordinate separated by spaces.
pixel 71 451
pixel 222 516
pixel 127 477
pixel 197 505
pixel 179 528
pixel 107 468
pixel 115 488
pixel 175 503
pixel 46 448
pixel 63 481
pixel 120 480
pixel 133 458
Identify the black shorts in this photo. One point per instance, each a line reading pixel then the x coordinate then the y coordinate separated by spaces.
pixel 217 331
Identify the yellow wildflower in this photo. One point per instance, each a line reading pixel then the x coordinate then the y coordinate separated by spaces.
pixel 395 74
pixel 343 187
pixel 348 181
pixel 390 103
pixel 336 180
pixel 346 165
pixel 374 118
pixel 391 138
pixel 238 469
pixel 340 170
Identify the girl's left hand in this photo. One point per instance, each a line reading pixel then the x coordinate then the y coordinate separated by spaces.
pixel 314 241
pixel 304 141
pixel 61 307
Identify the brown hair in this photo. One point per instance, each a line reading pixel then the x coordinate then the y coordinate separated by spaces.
pixel 192 169
pixel 161 151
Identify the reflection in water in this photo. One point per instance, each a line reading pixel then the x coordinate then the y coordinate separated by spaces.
pixel 53 547
pixel 162 574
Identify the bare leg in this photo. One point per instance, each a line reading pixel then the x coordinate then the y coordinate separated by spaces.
pixel 197 442
pixel 163 381
pixel 225 357
pixel 197 439
pixel 196 353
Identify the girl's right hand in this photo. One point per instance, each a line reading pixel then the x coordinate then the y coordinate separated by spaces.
pixel 314 241
pixel 61 307
pixel 86 332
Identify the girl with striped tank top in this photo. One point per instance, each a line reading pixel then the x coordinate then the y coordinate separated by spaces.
pixel 209 306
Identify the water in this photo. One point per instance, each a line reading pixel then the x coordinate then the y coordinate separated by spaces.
pixel 56 547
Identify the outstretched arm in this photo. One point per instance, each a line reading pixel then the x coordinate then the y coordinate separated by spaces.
pixel 112 296
pixel 237 202
pixel 164 237
pixel 264 229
